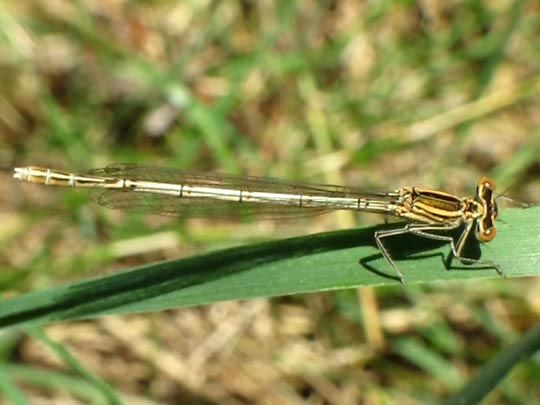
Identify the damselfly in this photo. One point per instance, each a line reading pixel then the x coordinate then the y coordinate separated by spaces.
pixel 163 191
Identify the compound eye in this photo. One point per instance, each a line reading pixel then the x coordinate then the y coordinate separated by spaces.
pixel 487 182
pixel 485 234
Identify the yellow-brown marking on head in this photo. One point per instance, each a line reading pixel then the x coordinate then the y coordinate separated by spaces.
pixel 485 195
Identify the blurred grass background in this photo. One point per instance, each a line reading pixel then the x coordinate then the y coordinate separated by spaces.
pixel 370 94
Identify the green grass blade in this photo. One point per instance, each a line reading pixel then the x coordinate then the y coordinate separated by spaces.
pixel 496 369
pixel 9 391
pixel 431 361
pixel 320 262
pixel 108 394
pixel 50 380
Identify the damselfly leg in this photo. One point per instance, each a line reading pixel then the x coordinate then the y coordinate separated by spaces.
pixel 425 231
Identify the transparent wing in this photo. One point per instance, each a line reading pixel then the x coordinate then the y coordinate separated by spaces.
pixel 252 183
pixel 151 203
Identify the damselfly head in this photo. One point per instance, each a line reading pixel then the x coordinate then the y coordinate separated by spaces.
pixel 485 195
